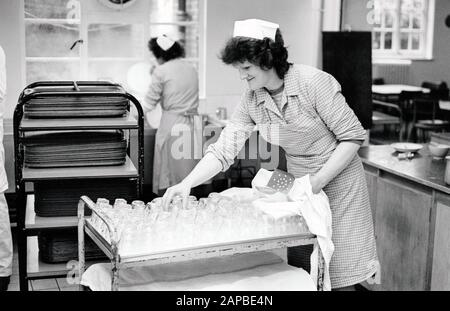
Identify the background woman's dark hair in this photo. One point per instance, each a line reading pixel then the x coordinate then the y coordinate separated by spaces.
pixel 175 51
pixel 265 53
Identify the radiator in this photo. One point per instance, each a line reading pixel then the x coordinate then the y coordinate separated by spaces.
pixel 392 73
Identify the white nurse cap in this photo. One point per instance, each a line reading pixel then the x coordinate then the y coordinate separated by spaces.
pixel 255 28
pixel 165 42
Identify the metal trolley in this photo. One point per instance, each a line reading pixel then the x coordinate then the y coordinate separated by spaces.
pixel 67 89
pixel 119 261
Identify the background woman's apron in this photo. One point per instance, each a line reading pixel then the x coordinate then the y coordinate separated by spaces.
pixel 168 168
pixel 355 258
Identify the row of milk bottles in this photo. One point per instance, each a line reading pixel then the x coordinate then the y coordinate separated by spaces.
pixel 140 227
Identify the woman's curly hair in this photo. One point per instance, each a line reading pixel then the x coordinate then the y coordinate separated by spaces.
pixel 175 51
pixel 265 53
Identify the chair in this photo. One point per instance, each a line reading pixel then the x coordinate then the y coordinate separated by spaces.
pixel 387 114
pixel 378 81
pixel 406 103
pixel 437 90
pixel 427 114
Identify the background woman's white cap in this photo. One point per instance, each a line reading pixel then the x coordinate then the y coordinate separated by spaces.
pixel 255 28
pixel 165 42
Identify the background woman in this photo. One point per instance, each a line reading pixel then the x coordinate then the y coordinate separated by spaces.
pixel 175 87
pixel 301 109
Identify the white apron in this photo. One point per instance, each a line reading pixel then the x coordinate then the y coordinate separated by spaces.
pixel 171 164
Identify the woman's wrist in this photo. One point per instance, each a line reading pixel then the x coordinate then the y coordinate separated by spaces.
pixel 317 182
pixel 187 182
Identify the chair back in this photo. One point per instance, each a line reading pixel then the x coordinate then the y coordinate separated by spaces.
pixel 438 91
pixel 378 81
pixel 425 110
pixel 406 101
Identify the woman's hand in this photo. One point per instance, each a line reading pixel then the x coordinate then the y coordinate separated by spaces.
pixel 182 189
pixel 316 184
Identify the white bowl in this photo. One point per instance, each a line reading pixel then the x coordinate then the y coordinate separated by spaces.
pixel 406 147
pixel 438 150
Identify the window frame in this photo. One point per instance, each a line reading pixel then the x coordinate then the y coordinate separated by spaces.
pixel 85 20
pixel 425 52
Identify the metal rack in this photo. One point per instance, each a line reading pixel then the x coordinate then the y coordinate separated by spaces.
pixel 120 260
pixel 28 223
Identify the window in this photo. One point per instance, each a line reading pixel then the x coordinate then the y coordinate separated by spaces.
pixel 403 29
pixel 88 40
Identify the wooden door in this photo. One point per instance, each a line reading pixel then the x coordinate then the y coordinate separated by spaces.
pixel 402 232
pixel 440 275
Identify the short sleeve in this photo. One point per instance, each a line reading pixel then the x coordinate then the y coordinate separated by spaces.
pixel 233 136
pixel 331 106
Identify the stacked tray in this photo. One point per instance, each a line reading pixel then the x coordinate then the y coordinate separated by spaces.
pixel 62 246
pixel 75 107
pixel 60 198
pixel 70 149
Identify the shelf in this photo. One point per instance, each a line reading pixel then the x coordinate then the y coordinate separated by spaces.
pixel 37 269
pixel 127 122
pixel 33 222
pixel 127 170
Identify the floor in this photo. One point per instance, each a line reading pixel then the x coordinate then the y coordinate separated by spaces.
pixel 59 284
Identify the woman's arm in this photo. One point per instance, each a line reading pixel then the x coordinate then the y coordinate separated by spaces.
pixel 219 156
pixel 154 92
pixel 330 104
pixel 208 167
pixel 340 158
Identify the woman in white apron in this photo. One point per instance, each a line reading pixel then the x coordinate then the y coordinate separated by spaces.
pixel 175 87
pixel 6 248
pixel 301 109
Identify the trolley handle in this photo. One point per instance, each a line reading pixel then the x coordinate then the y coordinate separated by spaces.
pixel 112 231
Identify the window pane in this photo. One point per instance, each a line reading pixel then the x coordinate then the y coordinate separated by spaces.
pixel 417 21
pixel 419 4
pixel 51 9
pixel 110 71
pixel 187 36
pixel 376 18
pixel 173 10
pixel 407 5
pixel 415 43
pixel 388 41
pixel 38 71
pixel 51 39
pixel 404 40
pixel 116 40
pixel 404 23
pixel 388 19
pixel 376 37
pixel 389 4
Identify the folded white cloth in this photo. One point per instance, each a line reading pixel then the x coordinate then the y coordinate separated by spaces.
pixel 253 271
pixel 315 209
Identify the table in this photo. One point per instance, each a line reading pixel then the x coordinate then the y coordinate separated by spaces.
pixel 396 89
pixel 444 104
pixel 391 93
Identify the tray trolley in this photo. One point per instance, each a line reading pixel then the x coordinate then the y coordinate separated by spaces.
pixel 28 224
pixel 118 260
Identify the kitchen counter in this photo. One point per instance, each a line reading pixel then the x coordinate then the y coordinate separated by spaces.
pixel 410 205
pixel 423 168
